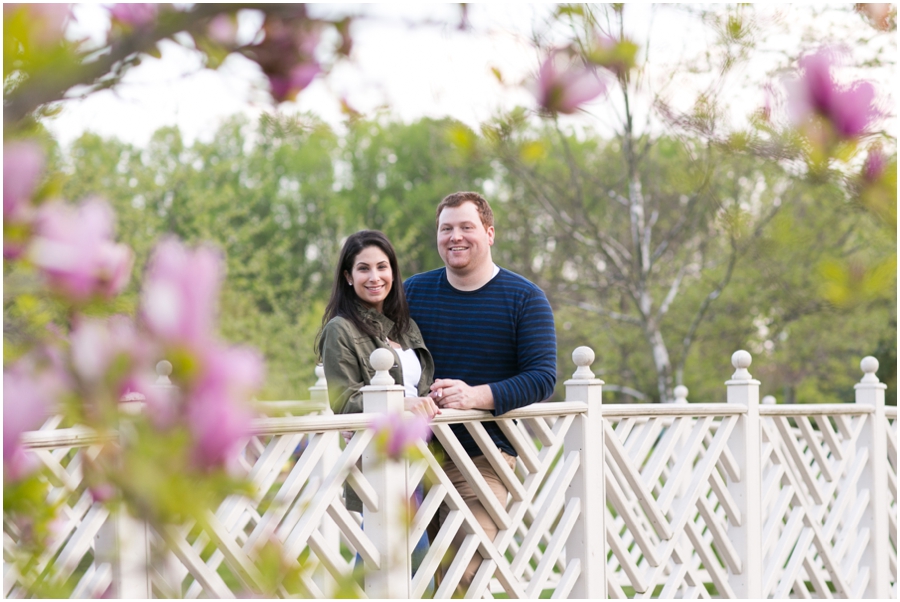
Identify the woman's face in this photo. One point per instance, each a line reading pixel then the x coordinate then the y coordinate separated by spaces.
pixel 371 277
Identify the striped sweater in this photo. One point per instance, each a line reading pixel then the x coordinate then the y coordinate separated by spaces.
pixel 501 335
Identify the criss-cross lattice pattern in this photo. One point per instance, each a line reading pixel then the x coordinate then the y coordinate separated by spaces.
pixel 71 550
pixel 891 428
pixel 668 509
pixel 813 501
pixel 668 505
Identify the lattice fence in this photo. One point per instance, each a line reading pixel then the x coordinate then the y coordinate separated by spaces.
pixel 671 496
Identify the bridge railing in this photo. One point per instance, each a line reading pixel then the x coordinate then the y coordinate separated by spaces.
pixel 733 500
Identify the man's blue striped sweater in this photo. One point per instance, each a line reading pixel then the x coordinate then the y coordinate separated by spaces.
pixel 501 334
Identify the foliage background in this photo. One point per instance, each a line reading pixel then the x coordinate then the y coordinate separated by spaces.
pixel 279 196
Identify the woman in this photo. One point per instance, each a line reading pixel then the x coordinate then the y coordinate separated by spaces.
pixel 368 310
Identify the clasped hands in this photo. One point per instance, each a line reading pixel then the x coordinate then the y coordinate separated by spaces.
pixel 450 393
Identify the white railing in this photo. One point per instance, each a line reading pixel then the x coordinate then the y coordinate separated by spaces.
pixel 733 500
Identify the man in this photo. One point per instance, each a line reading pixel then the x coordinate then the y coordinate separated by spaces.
pixel 491 334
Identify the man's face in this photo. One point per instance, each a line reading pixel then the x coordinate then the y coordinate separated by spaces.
pixel 463 242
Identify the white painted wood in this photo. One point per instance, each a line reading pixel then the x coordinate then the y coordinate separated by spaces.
pixel 674 501
pixel 587 541
pixel 387 527
pixel 870 394
pixel 743 390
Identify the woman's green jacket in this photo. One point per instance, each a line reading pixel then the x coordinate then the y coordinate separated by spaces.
pixel 345 357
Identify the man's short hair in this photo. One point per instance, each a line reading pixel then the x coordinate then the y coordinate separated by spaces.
pixel 458 198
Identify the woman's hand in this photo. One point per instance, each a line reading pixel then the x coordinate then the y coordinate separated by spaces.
pixel 422 406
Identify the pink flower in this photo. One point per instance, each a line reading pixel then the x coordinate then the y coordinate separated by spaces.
pixel 74 250
pixel 850 110
pixel 563 86
pixel 287 54
pixel 178 300
pixel 23 163
pixel 111 356
pixel 29 394
pixel 135 15
pixel 222 29
pixel 287 88
pixel 874 165
pixel 216 411
pixel 396 434
pixel 46 22
pixel 102 492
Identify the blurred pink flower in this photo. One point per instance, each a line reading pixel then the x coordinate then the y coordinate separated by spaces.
pixel 29 394
pixel 23 163
pixel 222 29
pixel 46 22
pixel 849 109
pixel 397 433
pixel 287 88
pixel 563 86
pixel 874 165
pixel 181 287
pixel 287 54
pixel 216 412
pixel 111 357
pixel 73 249
pixel 102 492
pixel 134 15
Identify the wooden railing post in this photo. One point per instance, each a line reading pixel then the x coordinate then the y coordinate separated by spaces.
pixel 873 442
pixel 124 541
pixel 745 446
pixel 387 526
pixel 319 391
pixel 587 542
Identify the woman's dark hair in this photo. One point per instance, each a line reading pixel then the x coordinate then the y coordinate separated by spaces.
pixel 344 301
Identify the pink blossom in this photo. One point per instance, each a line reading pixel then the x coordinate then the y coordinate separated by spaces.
pixel 178 300
pixel 74 250
pixel 23 163
pixel 563 86
pixel 287 54
pixel 29 394
pixel 222 29
pixel 849 109
pixel 111 354
pixel 134 15
pixel 216 414
pixel 46 22
pixel 874 165
pixel 396 433
pixel 287 88
pixel 102 492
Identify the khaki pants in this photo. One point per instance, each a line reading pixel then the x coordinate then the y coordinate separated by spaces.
pixel 471 500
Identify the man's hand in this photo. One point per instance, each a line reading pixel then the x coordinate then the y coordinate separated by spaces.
pixel 455 394
pixel 422 406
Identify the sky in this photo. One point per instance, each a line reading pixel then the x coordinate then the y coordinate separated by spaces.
pixel 432 69
pixel 423 71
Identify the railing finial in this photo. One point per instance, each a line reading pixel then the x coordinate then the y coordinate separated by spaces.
pixel 769 400
pixel 869 365
pixel 320 376
pixel 163 370
pixel 741 360
pixel 583 358
pixel 681 393
pixel 382 360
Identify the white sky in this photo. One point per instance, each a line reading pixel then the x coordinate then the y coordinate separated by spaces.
pixel 432 70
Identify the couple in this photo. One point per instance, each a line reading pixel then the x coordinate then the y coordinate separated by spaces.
pixel 470 335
